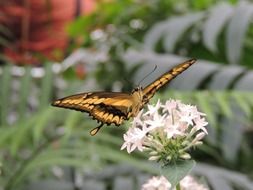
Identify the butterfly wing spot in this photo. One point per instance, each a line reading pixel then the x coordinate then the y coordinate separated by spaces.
pixel 91 107
pixel 98 101
pixel 78 101
pixel 175 72
pixel 56 103
pixel 65 101
pixel 101 114
pixel 115 119
pixel 73 102
pixel 110 117
pixel 121 120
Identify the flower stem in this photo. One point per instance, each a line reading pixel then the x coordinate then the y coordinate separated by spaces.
pixel 178 186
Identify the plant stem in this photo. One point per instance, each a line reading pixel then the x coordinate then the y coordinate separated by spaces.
pixel 178 186
pixel 12 180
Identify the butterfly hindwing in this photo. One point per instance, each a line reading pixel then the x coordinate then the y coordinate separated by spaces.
pixel 151 89
pixel 106 107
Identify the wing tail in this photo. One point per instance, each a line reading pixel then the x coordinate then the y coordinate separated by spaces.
pixel 95 130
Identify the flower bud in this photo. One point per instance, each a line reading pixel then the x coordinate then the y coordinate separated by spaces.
pixel 185 156
pixel 168 157
pixel 200 136
pixel 153 153
pixel 197 143
pixel 154 158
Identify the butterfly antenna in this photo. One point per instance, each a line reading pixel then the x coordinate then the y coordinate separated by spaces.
pixel 125 79
pixel 95 130
pixel 147 75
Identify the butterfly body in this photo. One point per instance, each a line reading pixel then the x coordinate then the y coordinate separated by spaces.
pixel 115 107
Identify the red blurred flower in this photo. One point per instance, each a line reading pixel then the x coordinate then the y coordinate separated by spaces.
pixel 38 27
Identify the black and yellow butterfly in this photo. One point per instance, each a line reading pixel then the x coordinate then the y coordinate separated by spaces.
pixel 115 107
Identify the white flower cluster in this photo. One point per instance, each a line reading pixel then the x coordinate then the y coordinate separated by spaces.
pixel 190 183
pixel 157 183
pixel 161 183
pixel 166 131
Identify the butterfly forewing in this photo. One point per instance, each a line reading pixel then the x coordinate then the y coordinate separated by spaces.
pixel 151 89
pixel 106 107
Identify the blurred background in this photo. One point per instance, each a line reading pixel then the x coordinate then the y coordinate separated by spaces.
pixel 54 48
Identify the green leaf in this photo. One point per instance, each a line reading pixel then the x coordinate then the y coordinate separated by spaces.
pixel 72 121
pixel 46 88
pixel 24 92
pixel 47 163
pixel 43 120
pixel 241 99
pixel 222 100
pixel 177 26
pixel 172 30
pixel 236 31
pixel 22 132
pixel 176 171
pixel 204 103
pixel 5 93
pixel 5 135
pixel 214 24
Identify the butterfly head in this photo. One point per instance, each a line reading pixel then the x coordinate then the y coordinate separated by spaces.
pixel 137 89
pixel 138 93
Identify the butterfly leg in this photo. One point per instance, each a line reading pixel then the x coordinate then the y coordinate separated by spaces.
pixel 96 129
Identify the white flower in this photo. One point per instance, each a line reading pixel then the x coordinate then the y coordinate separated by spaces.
pixel 170 105
pixel 157 183
pixel 161 183
pixel 156 122
pixel 134 139
pixel 186 117
pixel 199 136
pixel 200 123
pixel 189 183
pixel 137 120
pixel 152 110
pixel 170 130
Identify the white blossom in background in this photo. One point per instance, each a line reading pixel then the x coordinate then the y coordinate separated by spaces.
pixel 190 183
pixel 166 131
pixel 161 183
pixel 157 183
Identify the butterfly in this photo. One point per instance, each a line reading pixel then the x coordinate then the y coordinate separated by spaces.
pixel 115 107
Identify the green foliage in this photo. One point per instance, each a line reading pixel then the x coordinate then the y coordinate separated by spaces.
pixel 116 69
pixel 46 87
pixel 216 32
pixel 128 25
pixel 223 26
pixel 5 93
pixel 40 137
pixel 40 134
